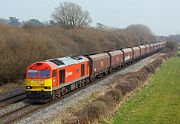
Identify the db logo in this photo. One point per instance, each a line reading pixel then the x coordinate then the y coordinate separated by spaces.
pixel 102 63
pixel 68 74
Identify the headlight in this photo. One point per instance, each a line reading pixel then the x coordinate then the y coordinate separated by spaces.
pixel 28 87
pixel 48 87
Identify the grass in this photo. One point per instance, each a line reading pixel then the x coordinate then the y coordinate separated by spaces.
pixel 156 103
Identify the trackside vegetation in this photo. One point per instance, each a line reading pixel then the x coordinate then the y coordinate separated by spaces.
pixel 158 102
pixel 21 46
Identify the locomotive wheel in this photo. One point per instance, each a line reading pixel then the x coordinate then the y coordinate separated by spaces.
pixel 53 96
pixel 64 91
pixel 84 83
pixel 78 85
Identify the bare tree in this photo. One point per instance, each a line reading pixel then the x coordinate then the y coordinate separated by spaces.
pixel 143 33
pixel 14 21
pixel 71 15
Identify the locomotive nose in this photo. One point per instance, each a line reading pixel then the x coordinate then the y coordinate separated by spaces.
pixel 38 84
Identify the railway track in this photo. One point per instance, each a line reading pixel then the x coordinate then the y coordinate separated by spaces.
pixel 12 93
pixel 12 99
pixel 14 115
pixel 10 102
pixel 26 109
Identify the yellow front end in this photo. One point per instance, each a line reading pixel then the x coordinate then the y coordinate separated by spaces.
pixel 39 84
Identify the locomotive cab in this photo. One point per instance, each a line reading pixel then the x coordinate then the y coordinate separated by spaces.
pixel 39 78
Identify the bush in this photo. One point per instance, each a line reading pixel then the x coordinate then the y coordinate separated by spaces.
pixel 157 63
pixel 149 69
pixel 133 81
pixel 116 94
pixel 145 73
pixel 170 45
pixel 71 120
pixel 92 111
pixel 107 99
pixel 141 76
pixel 125 88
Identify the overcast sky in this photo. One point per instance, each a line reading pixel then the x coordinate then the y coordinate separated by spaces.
pixel 162 16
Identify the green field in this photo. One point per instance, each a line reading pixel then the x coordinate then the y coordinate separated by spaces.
pixel 158 102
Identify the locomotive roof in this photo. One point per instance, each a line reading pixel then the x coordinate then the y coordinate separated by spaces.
pixel 65 61
pixel 42 64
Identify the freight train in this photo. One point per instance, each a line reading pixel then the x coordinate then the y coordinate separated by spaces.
pixel 47 80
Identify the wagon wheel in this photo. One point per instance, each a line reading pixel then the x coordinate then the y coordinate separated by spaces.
pixel 110 70
pixel 91 79
pixel 87 81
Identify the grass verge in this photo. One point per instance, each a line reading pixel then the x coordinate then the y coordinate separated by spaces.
pixel 158 102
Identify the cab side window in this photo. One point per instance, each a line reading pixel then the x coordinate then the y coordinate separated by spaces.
pixel 54 73
pixel 82 70
pixel 62 76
